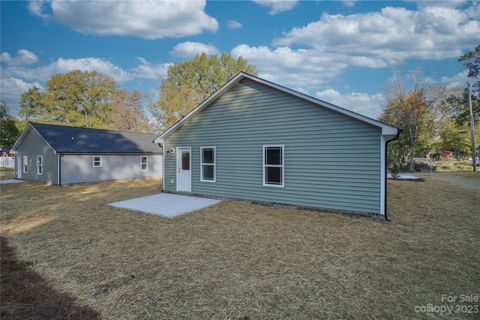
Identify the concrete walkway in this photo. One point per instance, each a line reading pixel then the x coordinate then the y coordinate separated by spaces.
pixel 166 204
pixel 9 181
pixel 404 176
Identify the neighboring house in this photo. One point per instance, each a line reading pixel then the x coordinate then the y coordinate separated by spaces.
pixel 61 155
pixel 7 159
pixel 446 154
pixel 256 140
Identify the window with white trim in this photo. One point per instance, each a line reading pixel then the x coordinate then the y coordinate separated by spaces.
pixel 273 166
pixel 144 163
pixel 25 164
pixel 39 165
pixel 97 161
pixel 208 164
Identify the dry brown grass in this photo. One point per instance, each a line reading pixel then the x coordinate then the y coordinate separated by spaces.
pixel 6 173
pixel 240 260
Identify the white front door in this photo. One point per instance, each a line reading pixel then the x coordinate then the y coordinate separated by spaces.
pixel 19 167
pixel 184 169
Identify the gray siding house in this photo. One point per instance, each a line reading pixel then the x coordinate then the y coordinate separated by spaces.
pixel 62 155
pixel 256 140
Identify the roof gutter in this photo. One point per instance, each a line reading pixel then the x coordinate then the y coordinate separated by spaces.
pixel 386 174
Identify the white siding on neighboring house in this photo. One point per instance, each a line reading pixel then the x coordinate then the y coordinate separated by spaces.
pixel 79 168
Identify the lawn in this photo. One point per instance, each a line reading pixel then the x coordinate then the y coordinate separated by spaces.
pixel 6 173
pixel 85 259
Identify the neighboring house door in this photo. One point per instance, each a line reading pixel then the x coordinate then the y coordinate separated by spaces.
pixel 184 169
pixel 19 167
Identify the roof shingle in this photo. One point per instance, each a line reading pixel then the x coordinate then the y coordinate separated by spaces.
pixel 66 139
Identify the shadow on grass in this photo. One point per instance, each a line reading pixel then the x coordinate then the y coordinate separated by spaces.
pixel 24 294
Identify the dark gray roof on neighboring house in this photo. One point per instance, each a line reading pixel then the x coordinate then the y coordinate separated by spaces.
pixel 65 139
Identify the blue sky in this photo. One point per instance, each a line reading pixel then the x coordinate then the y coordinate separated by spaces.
pixel 341 51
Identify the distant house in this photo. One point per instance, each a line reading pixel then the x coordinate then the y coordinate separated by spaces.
pixel 257 140
pixel 446 154
pixel 60 155
pixel 7 159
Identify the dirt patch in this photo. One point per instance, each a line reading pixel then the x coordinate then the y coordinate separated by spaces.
pixel 241 260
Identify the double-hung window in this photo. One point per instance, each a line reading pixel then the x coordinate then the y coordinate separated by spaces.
pixel 97 161
pixel 273 166
pixel 39 165
pixel 144 163
pixel 208 164
pixel 25 164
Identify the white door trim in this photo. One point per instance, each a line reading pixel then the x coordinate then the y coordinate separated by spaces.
pixel 19 166
pixel 177 167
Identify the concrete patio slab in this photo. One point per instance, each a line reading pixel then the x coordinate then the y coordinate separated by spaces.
pixel 166 204
pixel 9 181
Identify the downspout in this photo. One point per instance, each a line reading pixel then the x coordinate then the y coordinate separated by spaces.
pixel 59 169
pixel 386 174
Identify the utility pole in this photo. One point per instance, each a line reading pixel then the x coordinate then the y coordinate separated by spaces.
pixel 472 128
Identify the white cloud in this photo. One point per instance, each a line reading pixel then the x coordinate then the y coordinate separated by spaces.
pixel 62 65
pixel 145 19
pixel 150 70
pixel 363 103
pixel 310 56
pixel 5 57
pixel 234 24
pixel 190 49
pixel 23 57
pixel 277 6
pixel 390 35
pixel 299 68
pixel 458 80
pixel 17 77
pixel 348 3
pixel 11 90
pixel 295 68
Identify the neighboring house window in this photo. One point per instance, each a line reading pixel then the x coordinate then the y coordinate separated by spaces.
pixel 144 163
pixel 273 165
pixel 207 164
pixel 97 161
pixel 25 164
pixel 39 165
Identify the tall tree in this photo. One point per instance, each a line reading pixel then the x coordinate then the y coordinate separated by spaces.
pixel 78 98
pixel 190 82
pixel 3 110
pixel 87 99
pixel 411 108
pixel 471 61
pixel 454 137
pixel 128 114
pixel 32 103
pixel 8 128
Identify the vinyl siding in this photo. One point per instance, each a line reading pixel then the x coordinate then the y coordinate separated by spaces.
pixel 79 168
pixel 32 146
pixel 331 160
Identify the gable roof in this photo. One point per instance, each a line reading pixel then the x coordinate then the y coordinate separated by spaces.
pixel 386 129
pixel 67 139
